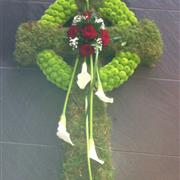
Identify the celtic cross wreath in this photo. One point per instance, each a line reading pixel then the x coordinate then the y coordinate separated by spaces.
pixel 108 43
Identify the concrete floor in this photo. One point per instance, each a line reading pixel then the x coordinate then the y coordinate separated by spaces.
pixel 145 135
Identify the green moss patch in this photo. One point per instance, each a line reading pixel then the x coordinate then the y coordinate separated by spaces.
pixel 143 38
pixel 75 163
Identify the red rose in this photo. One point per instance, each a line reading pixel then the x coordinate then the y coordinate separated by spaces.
pixel 87 14
pixel 105 37
pixel 89 32
pixel 72 32
pixel 86 50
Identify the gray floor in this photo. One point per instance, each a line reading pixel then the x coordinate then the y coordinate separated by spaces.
pixel 145 114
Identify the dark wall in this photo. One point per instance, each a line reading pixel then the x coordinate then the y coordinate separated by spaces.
pixel 145 114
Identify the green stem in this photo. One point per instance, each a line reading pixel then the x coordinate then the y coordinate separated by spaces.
pixel 96 64
pixel 87 142
pixel 93 72
pixel 87 4
pixel 91 97
pixel 98 76
pixel 99 80
pixel 70 85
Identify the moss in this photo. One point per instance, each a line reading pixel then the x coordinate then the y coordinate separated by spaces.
pixel 75 163
pixel 32 38
pixel 143 38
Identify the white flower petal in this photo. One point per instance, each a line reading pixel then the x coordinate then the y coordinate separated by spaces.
pixel 123 43
pixel 64 135
pixel 84 77
pixel 84 67
pixel 61 131
pixel 73 42
pixel 101 95
pixel 77 19
pixel 92 152
pixel 103 27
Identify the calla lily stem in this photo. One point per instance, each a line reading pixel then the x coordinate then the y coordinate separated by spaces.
pixel 87 4
pixel 97 69
pixel 87 139
pixel 70 85
pixel 93 72
pixel 99 79
pixel 91 97
pixel 88 159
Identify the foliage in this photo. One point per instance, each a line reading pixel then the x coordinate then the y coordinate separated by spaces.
pixel 143 38
pixel 32 38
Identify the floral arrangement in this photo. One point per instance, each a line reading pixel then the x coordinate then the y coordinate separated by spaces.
pixel 88 35
pixel 90 32
pixel 87 31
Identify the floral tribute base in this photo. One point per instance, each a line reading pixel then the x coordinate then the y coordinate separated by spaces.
pixel 75 160
pixel 88 32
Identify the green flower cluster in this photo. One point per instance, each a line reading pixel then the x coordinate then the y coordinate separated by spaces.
pixel 59 12
pixel 118 70
pixel 54 68
pixel 118 13
pixel 112 75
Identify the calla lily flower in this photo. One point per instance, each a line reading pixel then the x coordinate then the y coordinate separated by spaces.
pixel 101 95
pixel 100 92
pixel 62 132
pixel 84 77
pixel 92 152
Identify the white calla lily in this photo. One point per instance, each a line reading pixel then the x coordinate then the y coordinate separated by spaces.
pixel 100 92
pixel 101 95
pixel 62 132
pixel 84 77
pixel 92 152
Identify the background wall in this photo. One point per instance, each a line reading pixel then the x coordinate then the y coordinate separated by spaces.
pixel 145 114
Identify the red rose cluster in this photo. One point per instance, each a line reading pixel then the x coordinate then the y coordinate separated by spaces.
pixel 86 31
